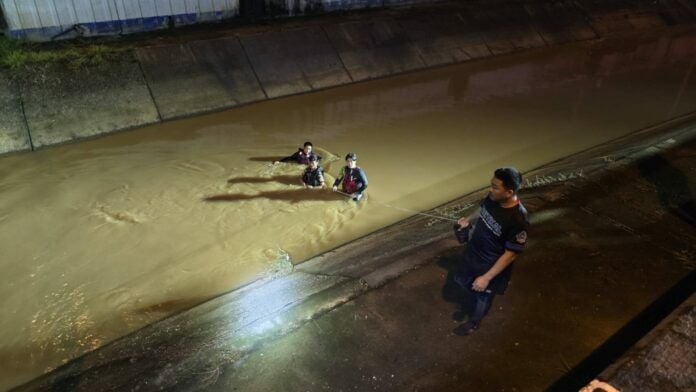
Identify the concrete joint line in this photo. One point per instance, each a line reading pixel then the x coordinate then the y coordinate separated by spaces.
pixel 684 82
pixel 338 55
pixel 413 44
pixel 535 27
pixel 588 18
pixel 251 65
pixel 26 122
pixel 149 89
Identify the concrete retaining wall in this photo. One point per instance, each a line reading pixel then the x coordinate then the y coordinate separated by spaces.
pixel 294 61
pixel 214 74
pixel 68 104
pixel 45 106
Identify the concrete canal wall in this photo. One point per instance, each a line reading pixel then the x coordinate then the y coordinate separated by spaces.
pixel 53 104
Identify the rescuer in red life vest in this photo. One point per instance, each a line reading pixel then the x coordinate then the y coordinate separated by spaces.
pixel 301 155
pixel 352 178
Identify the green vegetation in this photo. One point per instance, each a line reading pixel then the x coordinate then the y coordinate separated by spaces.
pixel 17 54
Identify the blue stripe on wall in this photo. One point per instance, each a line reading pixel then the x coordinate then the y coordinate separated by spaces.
pixel 184 19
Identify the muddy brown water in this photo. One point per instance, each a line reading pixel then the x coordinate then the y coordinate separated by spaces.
pixel 106 236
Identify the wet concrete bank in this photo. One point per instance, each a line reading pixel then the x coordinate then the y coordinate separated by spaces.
pixel 654 351
pixel 664 359
pixel 58 104
pixel 612 232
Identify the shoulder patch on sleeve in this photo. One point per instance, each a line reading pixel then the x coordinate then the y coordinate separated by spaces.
pixel 521 237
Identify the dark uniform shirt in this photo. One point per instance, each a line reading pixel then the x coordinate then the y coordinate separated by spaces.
pixel 498 229
pixel 313 177
pixel 300 157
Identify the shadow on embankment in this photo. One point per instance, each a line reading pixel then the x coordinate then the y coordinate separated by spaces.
pixel 672 187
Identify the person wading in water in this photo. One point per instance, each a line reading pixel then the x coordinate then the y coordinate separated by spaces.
pixel 313 175
pixel 301 155
pixel 352 178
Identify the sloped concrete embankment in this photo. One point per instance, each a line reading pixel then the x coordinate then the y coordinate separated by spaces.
pixel 54 104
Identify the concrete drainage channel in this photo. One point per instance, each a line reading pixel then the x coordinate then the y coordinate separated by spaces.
pixel 52 104
pixel 177 350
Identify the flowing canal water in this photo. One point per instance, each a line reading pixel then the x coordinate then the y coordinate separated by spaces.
pixel 103 237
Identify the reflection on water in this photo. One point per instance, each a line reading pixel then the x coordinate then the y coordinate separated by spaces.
pixel 102 237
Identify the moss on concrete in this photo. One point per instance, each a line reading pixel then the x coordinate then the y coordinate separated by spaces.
pixel 18 54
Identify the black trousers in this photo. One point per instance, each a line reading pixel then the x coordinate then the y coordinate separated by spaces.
pixel 476 303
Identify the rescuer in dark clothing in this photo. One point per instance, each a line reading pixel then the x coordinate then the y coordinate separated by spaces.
pixel 496 239
pixel 301 155
pixel 352 178
pixel 313 175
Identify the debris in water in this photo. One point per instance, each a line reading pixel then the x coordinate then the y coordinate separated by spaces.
pixel 283 265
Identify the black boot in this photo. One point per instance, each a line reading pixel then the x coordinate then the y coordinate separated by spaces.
pixel 466 329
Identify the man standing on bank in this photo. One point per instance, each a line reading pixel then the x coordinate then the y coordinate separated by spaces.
pixel 499 235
